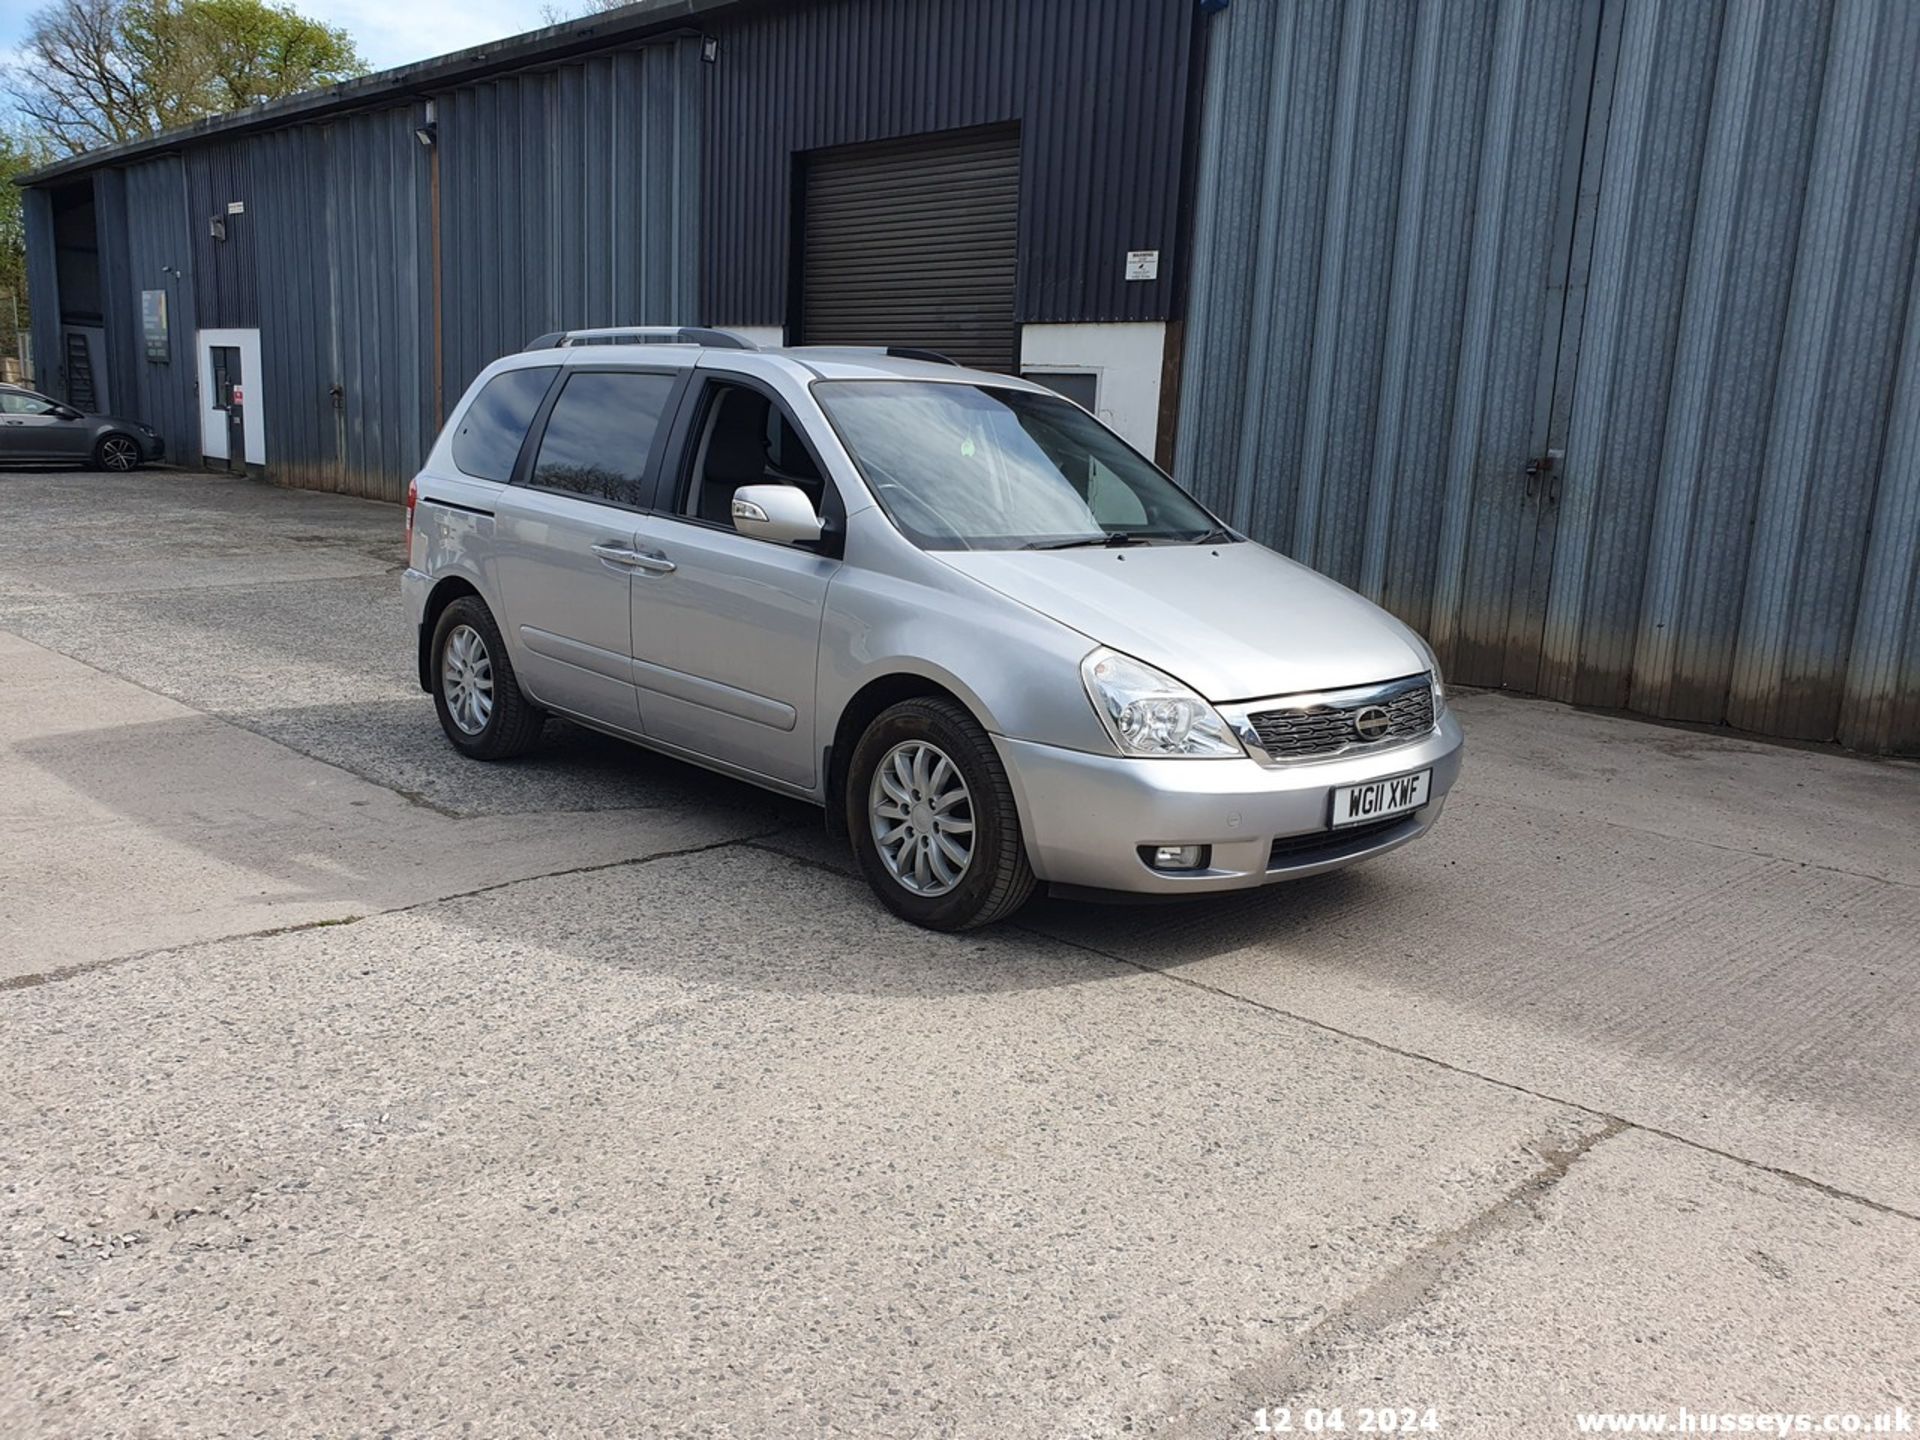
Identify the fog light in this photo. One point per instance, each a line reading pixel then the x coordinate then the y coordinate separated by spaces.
pixel 1178 857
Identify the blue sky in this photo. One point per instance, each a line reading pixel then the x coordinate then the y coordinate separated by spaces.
pixel 388 32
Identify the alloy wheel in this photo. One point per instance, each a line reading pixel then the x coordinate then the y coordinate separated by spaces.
pixel 119 453
pixel 466 679
pixel 921 813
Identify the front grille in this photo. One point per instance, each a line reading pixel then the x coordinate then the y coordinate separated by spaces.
pixel 1327 726
pixel 1331 844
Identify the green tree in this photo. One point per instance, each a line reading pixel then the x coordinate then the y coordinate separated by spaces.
pixel 100 72
pixel 18 154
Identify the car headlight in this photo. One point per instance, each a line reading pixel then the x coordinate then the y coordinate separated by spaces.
pixel 1151 713
pixel 1439 680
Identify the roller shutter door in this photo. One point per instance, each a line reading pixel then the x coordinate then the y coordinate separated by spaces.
pixel 914 242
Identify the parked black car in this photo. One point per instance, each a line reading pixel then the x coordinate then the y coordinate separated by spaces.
pixel 38 428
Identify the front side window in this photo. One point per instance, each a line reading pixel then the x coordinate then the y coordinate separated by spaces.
pixel 746 439
pixel 978 467
pixel 600 433
pixel 491 432
pixel 18 402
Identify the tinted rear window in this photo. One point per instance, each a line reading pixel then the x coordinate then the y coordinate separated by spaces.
pixel 488 440
pixel 600 434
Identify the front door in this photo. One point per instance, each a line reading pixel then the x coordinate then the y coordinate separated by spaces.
pixel 564 546
pixel 33 427
pixel 229 386
pixel 726 629
pixel 1521 341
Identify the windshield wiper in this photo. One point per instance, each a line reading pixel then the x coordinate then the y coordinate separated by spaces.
pixel 1112 540
pixel 1219 535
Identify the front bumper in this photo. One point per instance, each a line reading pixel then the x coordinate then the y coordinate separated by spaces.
pixel 1086 816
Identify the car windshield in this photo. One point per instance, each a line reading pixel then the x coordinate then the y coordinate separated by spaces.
pixel 977 467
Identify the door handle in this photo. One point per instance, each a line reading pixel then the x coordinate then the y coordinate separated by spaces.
pixel 1547 467
pixel 654 564
pixel 617 554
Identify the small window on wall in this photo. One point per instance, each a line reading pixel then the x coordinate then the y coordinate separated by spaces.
pixel 1080 386
pixel 495 425
pixel 600 434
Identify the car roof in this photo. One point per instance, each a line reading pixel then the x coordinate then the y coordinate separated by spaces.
pixel 848 362
pixel 806 362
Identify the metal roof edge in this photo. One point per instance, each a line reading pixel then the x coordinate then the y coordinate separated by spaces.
pixel 643 20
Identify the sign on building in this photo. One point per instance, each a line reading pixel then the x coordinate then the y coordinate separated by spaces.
pixel 153 322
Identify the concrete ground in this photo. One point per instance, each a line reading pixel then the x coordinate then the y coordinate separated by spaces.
pixel 347 1087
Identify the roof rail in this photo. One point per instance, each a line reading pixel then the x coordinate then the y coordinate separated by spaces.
pixel 644 335
pixel 910 352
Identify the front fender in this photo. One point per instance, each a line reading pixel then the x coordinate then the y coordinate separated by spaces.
pixel 1016 669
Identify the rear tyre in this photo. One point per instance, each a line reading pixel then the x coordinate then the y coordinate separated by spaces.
pixel 932 818
pixel 482 708
pixel 116 452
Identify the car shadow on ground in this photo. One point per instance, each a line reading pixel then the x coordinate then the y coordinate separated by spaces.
pixel 780 907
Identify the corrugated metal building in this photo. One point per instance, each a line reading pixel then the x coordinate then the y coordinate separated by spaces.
pixel 1581 333
pixel 1584 335
pixel 350 259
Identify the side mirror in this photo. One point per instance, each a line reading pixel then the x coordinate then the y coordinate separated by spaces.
pixel 65 412
pixel 780 513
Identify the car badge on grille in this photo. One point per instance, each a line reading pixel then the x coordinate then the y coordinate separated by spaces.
pixel 1371 722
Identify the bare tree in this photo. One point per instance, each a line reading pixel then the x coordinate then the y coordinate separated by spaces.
pixel 77 85
pixel 553 14
pixel 99 72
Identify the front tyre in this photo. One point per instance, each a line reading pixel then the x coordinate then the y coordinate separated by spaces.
pixel 932 818
pixel 116 452
pixel 481 705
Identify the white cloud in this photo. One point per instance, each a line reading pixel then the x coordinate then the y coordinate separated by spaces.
pixel 399 32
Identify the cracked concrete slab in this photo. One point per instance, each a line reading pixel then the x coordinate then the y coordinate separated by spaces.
pixel 278 611
pixel 1651 1277
pixel 134 823
pixel 706 1144
pixel 1736 994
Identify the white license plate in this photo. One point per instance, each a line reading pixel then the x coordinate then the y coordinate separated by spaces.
pixel 1377 799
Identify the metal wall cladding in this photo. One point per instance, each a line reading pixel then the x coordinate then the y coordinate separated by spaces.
pixel 569 199
pixel 1674 244
pixel 43 285
pixel 158 250
pixel 219 174
pixel 1098 87
pixel 114 261
pixel 346 302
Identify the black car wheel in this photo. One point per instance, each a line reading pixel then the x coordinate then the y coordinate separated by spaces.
pixel 932 818
pixel 481 705
pixel 116 452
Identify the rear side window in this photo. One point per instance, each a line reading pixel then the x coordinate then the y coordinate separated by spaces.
pixel 600 433
pixel 490 434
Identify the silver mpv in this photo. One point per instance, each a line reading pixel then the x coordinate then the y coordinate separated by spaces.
pixel 951 607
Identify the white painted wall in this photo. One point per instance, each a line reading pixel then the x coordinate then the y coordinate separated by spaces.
pixel 761 335
pixel 213 423
pixel 1126 358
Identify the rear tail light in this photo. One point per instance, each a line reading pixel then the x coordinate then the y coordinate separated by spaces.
pixel 413 498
